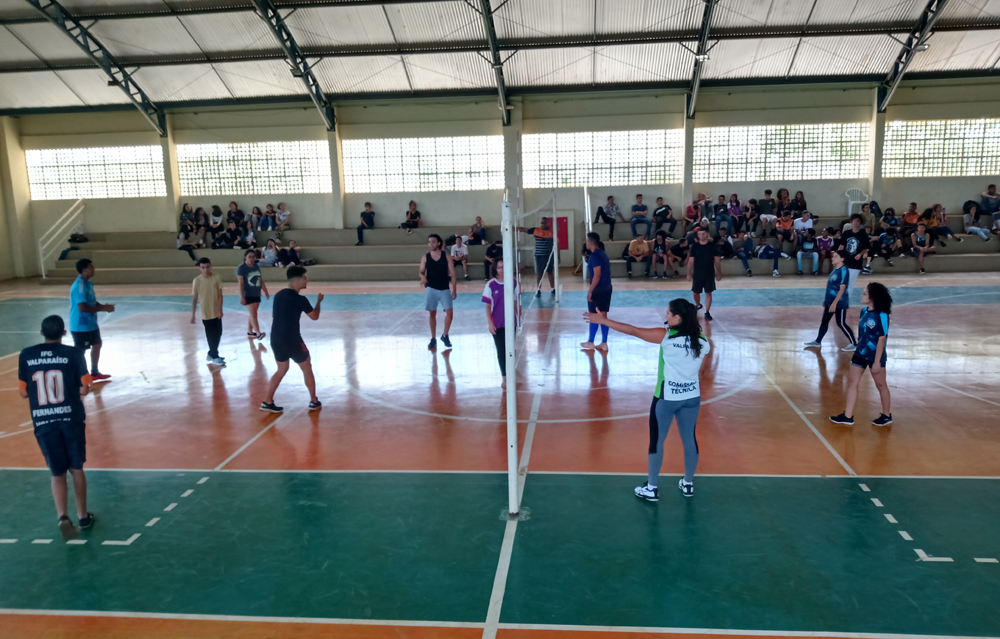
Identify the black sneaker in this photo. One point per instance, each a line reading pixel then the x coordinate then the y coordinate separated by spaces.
pixel 686 489
pixel 467 276
pixel 749 273
pixel 922 271
pixel 960 240
pixel 360 244
pixel 648 493
pixel 446 341
pixel 883 420
pixel 315 405
pixel 708 316
pixel 431 345
pixel 943 245
pixel 538 293
pixel 699 307
pixel 801 273
pixel 66 528
pixel 842 419
pixel 270 408
pixel 87 521
pixel 553 292
pixel 630 275
pixel 866 270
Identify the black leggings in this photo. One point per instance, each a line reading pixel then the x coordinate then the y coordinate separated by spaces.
pixel 213 333
pixel 186 247
pixel 841 324
pixel 500 340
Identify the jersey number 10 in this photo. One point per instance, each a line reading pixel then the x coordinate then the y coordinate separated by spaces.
pixel 51 389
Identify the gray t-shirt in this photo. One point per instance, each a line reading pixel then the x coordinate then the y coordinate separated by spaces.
pixel 251 279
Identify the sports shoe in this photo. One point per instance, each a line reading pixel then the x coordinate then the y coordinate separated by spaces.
pixel 630 275
pixel 677 273
pixel 656 276
pixel 943 245
pixel 218 361
pixel 883 420
pixel 446 341
pixel 647 492
pixel 708 316
pixel 431 345
pixel 467 276
pixel 209 358
pixel 99 377
pixel 686 489
pixel 850 348
pixel 922 271
pixel 538 293
pixel 866 270
pixel 699 307
pixel 816 273
pixel 775 273
pixel 261 335
pixel 960 240
pixel 786 256
pixel 315 405
pixel 801 273
pixel 553 292
pixel 360 244
pixel 749 273
pixel 889 262
pixel 270 408
pixel 812 344
pixel 88 521
pixel 842 419
pixel 67 529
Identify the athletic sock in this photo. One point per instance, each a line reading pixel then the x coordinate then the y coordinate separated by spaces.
pixel 593 333
pixel 604 334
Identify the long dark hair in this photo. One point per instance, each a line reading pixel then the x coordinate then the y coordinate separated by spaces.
pixel 880 297
pixel 689 326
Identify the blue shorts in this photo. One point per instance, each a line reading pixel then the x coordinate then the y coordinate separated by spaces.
pixel 435 297
pixel 64 445
pixel 863 362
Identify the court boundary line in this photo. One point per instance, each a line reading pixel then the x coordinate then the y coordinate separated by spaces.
pixel 242 448
pixel 988 401
pixel 727 631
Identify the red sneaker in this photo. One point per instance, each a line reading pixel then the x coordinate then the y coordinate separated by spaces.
pixel 100 377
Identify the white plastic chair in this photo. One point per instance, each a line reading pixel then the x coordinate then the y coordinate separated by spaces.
pixel 855 196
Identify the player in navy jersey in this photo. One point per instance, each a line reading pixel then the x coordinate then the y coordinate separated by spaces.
pixel 53 378
pixel 836 303
pixel 873 330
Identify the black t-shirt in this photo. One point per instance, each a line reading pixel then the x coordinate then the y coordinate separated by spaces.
pixel 52 375
pixel 661 213
pixel 493 251
pixel 765 207
pixel 704 258
pixel 236 216
pixel 289 306
pixel 854 244
pixel 368 217
pixel 679 251
pixel 721 209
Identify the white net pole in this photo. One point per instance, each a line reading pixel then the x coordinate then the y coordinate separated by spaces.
pixel 555 246
pixel 588 225
pixel 510 334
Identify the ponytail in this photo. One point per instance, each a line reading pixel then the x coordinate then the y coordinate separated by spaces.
pixel 689 326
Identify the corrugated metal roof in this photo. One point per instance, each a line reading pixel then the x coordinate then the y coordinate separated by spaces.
pixel 35 89
pixel 14 53
pixel 449 71
pixel 16 9
pixel 967 10
pixel 759 13
pixel 230 32
pixel 333 26
pixel 762 58
pixel 642 63
pixel 845 55
pixel 176 84
pixel 145 37
pixel 49 42
pixel 518 19
pixel 365 74
pixel 92 87
pixel 955 51
pixel 631 16
pixel 550 67
pixel 867 11
pixel 258 78
pixel 433 21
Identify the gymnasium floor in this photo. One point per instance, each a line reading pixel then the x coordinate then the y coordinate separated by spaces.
pixel 381 515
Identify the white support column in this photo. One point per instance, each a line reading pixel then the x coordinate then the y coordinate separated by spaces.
pixel 171 175
pixel 512 179
pixel 21 240
pixel 337 177
pixel 510 321
pixel 687 191
pixel 876 144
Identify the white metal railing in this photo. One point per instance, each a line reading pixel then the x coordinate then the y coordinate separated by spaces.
pixel 50 241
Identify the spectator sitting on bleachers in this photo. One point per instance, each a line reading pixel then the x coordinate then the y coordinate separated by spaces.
pixel 765 251
pixel 184 241
pixel 784 229
pixel 808 248
pixel 802 225
pixel 660 247
pixel 255 217
pixel 493 252
pixel 460 255
pixel 640 216
pixel 663 214
pixel 970 220
pixel 751 218
pixel 638 251
pixel 889 219
pixel 766 208
pixel 413 219
pixel 367 222
pixel 991 201
pixel 292 256
pixel 692 215
pixel 230 238
pixel 284 219
pixel 784 203
pixel 735 213
pixel 743 246
pixel 200 225
pixel 270 256
pixel 235 215
pixel 721 210
pixel 940 227
pixel 216 223
pixel 477 232
pixel 799 204
pixel 887 243
pixel 677 254
pixel 824 243
pixel 871 222
pixel 604 217
pixel 910 220
pixel 248 237
pixel 269 221
pixel 187 214
pixel 923 244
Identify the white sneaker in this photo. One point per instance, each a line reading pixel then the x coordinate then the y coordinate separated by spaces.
pixel 813 344
pixel 648 493
pixel 850 348
pixel 786 256
pixel 218 361
pixel 208 358
pixel 686 489
pixel 775 273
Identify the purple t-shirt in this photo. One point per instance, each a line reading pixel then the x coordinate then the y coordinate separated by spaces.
pixel 493 294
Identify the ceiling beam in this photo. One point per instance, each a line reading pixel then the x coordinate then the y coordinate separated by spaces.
pixel 915 43
pixel 100 56
pixel 700 56
pixel 495 59
pixel 300 66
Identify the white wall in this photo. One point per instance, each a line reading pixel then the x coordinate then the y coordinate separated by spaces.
pixel 451 208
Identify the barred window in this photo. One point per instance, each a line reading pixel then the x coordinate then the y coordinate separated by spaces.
pixel 393 165
pixel 254 168
pixel 100 172
pixel 603 158
pixel 781 152
pixel 939 148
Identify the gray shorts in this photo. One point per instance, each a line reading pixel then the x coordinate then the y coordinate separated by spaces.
pixel 540 263
pixel 435 297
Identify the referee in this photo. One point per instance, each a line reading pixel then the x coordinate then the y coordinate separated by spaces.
pixel 704 266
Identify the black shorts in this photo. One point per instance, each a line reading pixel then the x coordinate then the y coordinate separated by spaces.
pixel 85 340
pixel 252 299
pixel 285 352
pixel 64 445
pixel 701 283
pixel 600 301
pixel 863 362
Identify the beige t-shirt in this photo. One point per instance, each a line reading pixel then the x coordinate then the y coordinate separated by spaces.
pixel 207 289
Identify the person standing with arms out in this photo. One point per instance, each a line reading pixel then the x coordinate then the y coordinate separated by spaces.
pixel 683 348
pixel 437 276
pixel 53 378
pixel 493 298
pixel 83 310
pixel 855 241
pixel 599 291
pixel 544 257
pixel 207 289
pixel 251 285
pixel 704 266
pixel 873 330
pixel 836 302
pixel 286 337
pixel 367 222
pixel 639 216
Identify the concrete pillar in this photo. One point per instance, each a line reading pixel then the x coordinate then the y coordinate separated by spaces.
pixel 876 145
pixel 688 181
pixel 513 174
pixel 337 177
pixel 171 176
pixel 21 240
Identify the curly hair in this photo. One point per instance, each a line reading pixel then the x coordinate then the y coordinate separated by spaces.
pixel 880 298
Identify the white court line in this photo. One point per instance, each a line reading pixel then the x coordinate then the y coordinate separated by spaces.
pixel 170 507
pixel 76 542
pixel 96 412
pixel 727 632
pixel 187 493
pixel 8 541
pixel 865 488
pixel 877 502
pixel 202 480
pixel 152 522
pixel 948 297
pixel 925 557
pixel 960 392
pixel 189 617
pixel 986 560
pixel 127 542
pixel 905 535
pixel 242 448
pixel 892 520
pixel 42 541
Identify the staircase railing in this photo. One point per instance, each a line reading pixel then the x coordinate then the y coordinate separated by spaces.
pixel 51 240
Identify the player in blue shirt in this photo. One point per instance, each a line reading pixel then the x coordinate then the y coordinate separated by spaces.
pixel 599 292
pixel 83 310
pixel 836 303
pixel 53 378
pixel 873 330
